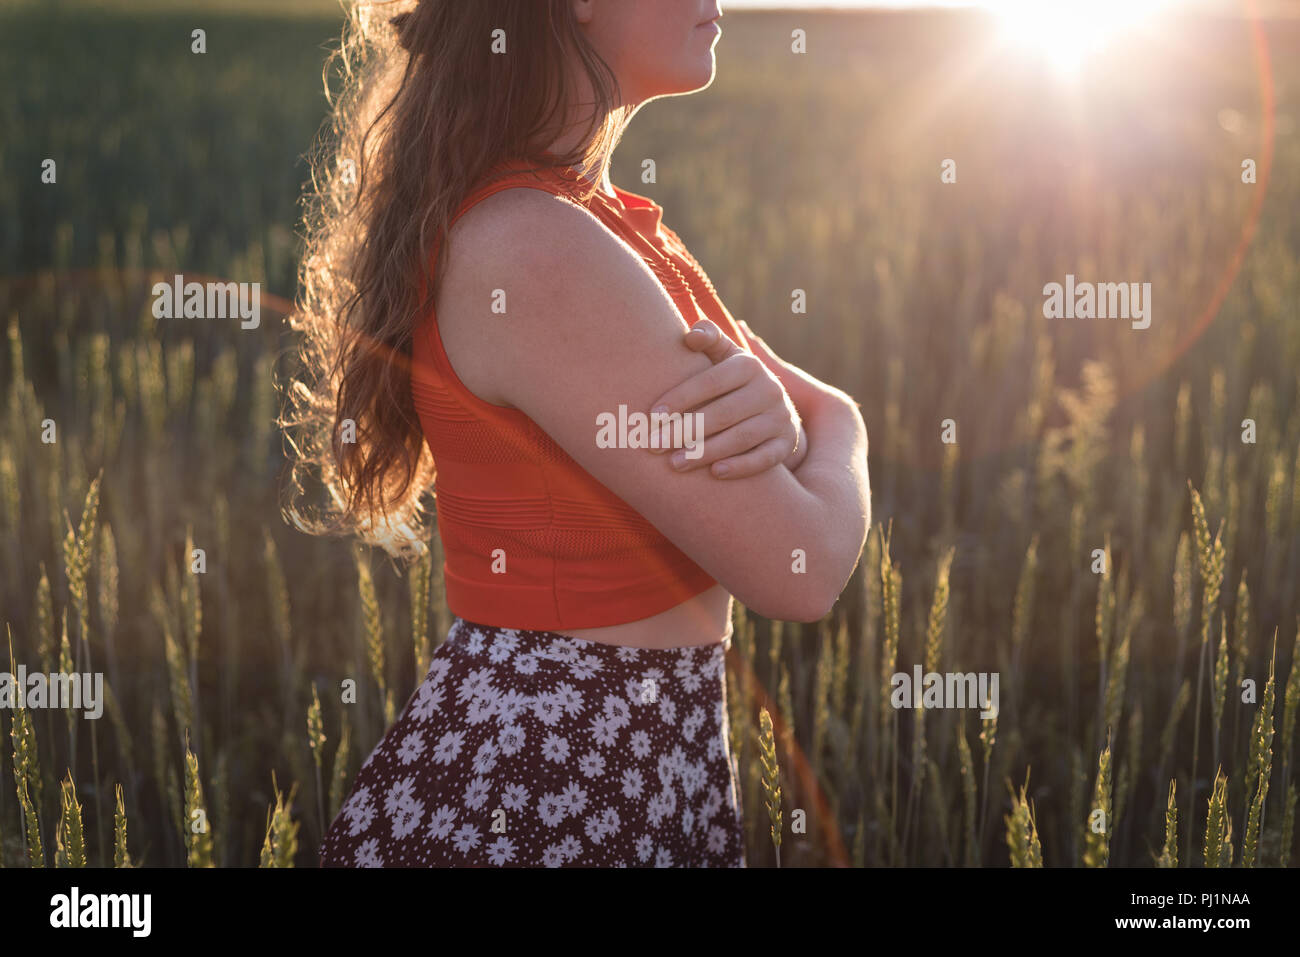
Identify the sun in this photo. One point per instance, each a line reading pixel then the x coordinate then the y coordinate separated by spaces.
pixel 1066 32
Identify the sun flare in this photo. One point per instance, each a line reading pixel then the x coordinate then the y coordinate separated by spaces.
pixel 1066 32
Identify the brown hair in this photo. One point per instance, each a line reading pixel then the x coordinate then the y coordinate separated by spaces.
pixel 425 109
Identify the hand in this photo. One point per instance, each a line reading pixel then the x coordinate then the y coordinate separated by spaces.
pixel 749 420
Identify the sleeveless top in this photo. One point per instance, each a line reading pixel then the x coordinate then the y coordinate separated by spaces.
pixel 530 539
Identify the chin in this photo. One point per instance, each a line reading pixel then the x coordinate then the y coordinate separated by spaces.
pixel 698 77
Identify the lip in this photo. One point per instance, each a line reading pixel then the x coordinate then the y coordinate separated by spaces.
pixel 712 20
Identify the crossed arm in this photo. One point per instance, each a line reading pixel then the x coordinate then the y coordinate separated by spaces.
pixel 751 422
pixel 591 329
pixel 776 393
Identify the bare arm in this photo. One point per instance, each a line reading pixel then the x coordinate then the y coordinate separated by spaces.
pixel 833 419
pixel 799 385
pixel 588 329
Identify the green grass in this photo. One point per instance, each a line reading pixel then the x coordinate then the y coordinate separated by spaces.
pixel 819 173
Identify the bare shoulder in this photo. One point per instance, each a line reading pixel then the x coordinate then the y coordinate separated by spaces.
pixel 507 223
pixel 534 240
pixel 533 279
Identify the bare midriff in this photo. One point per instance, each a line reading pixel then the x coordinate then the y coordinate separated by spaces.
pixel 702 620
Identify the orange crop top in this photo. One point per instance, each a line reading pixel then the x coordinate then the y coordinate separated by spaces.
pixel 530 539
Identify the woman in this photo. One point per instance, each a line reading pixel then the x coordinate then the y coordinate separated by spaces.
pixel 480 299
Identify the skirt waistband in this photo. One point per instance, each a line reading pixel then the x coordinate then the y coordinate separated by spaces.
pixel 495 644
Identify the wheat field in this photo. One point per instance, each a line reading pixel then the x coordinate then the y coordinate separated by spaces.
pixel 1106 533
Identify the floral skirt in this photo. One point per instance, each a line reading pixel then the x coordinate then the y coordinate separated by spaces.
pixel 533 749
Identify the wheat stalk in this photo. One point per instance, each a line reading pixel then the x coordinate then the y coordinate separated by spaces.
pixel 1240 636
pixel 44 621
pixel 106 594
pixel 1169 855
pixel 1261 765
pixel 988 737
pixel 771 778
pixel 70 842
pixel 27 773
pixel 1132 770
pixel 339 775
pixel 1105 612
pixel 890 583
pixel 785 704
pixel 1096 851
pixel 1183 585
pixel 177 670
pixel 1022 830
pixel 121 856
pixel 78 547
pixel 198 829
pixel 968 793
pixel 1291 702
pixel 934 634
pixel 281 841
pixel 66 667
pixel 935 626
pixel 1117 677
pixel 316 742
pixel 1023 612
pixel 421 576
pixel 891 586
pixel 374 632
pixel 1220 685
pixel 1210 558
pixel 1217 824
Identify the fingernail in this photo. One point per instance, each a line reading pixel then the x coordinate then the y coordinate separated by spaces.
pixel 659 409
pixel 721 469
pixel 679 459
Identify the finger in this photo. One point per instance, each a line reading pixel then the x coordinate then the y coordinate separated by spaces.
pixel 716 345
pixel 730 442
pixel 799 452
pixel 701 335
pixel 755 398
pixel 718 380
pixel 771 453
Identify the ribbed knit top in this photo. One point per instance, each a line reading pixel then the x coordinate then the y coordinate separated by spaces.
pixel 530 539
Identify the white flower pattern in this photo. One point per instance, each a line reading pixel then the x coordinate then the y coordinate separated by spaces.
pixel 531 749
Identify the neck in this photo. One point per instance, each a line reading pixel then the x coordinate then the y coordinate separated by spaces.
pixel 572 139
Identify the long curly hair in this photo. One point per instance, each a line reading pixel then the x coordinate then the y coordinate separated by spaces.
pixel 430 95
